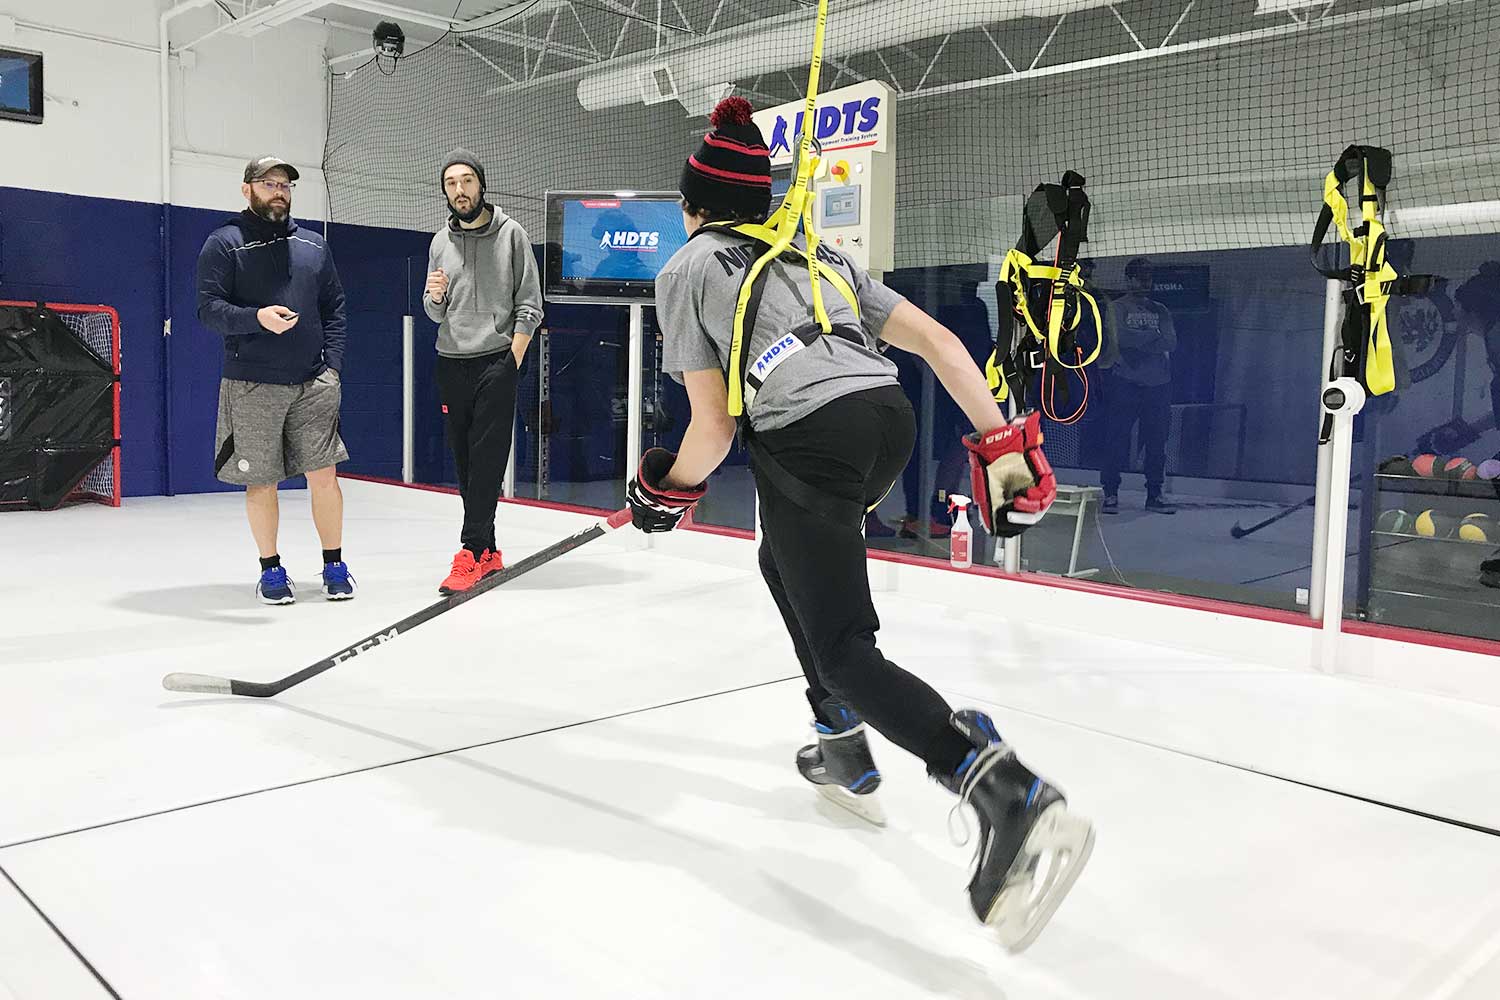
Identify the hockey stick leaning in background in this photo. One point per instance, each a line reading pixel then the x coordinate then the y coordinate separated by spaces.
pixel 205 684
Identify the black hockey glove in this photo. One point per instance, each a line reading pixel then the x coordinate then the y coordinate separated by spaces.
pixel 654 507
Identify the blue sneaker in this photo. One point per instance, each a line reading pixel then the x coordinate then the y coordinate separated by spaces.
pixel 338 583
pixel 275 587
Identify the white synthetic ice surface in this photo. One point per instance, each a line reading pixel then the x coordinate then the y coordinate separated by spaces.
pixel 672 850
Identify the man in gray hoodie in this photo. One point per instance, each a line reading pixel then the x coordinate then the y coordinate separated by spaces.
pixel 484 292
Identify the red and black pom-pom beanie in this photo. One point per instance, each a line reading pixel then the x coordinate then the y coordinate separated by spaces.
pixel 730 174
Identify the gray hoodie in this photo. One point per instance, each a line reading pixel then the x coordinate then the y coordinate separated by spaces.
pixel 493 287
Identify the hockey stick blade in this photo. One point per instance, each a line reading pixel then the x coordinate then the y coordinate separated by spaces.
pixel 205 684
pixel 197 683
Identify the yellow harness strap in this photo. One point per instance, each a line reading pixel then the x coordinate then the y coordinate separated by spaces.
pixel 1017 267
pixel 781 227
pixel 1367 259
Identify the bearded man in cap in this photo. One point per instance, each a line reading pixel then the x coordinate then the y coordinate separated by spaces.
pixel 270 290
pixel 485 294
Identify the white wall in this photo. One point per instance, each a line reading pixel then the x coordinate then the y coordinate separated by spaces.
pixel 246 97
pixel 101 137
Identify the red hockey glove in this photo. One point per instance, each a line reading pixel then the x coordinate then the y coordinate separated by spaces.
pixel 654 507
pixel 1012 480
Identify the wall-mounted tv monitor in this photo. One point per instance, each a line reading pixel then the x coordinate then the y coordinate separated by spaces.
pixel 608 246
pixel 20 85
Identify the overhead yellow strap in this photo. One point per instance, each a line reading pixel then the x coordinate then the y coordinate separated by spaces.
pixel 795 210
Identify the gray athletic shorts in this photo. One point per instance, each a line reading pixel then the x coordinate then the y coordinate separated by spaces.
pixel 270 432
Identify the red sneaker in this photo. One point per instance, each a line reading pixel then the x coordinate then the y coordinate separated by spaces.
pixel 910 527
pixel 490 562
pixel 465 574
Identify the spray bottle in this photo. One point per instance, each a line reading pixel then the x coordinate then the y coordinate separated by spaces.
pixel 960 554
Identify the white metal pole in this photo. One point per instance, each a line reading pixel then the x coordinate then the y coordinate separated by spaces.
pixel 1338 534
pixel 1333 302
pixel 1344 398
pixel 634 388
pixel 1013 545
pixel 408 401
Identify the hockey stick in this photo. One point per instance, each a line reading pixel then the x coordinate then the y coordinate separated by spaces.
pixel 1239 532
pixel 205 684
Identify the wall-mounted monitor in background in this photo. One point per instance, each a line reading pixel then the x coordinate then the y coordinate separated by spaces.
pixel 607 247
pixel 20 85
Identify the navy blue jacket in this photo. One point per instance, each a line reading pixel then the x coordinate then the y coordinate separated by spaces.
pixel 249 263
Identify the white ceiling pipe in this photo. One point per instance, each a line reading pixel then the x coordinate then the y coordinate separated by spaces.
pixel 784 42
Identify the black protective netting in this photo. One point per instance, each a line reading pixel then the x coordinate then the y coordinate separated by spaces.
pixel 1200 124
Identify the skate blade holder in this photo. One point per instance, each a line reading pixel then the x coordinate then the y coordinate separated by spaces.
pixel 867 806
pixel 1049 862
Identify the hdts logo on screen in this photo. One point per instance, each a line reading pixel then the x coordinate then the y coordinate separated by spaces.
pixel 644 242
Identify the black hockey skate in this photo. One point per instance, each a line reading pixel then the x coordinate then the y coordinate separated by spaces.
pixel 840 764
pixel 1030 850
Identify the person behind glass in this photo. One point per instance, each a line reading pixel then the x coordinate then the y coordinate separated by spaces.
pixel 959 308
pixel 1479 300
pixel 829 431
pixel 484 292
pixel 1139 342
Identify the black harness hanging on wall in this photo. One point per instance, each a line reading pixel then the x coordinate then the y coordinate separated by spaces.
pixel 1047 304
pixel 1365 350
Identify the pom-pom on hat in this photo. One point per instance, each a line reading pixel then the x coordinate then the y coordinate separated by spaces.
pixel 731 172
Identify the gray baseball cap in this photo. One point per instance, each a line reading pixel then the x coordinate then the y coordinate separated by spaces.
pixel 262 165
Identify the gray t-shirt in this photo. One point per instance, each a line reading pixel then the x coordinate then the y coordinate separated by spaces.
pixel 1145 337
pixel 696 293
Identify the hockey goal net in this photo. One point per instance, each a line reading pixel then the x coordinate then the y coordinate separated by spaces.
pixel 99 328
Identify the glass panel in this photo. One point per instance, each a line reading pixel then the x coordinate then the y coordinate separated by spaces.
pixel 1222 423
pixel 1425 541
pixel 580 428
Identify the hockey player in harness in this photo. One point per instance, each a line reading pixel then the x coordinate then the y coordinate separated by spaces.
pixel 777 336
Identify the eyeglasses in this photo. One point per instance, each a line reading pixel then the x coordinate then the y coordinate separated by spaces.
pixel 283 187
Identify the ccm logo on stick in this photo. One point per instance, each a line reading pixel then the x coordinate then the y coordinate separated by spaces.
pixel 367 645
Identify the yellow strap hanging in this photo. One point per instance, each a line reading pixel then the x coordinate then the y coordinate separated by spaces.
pixel 1367 253
pixel 782 226
pixel 1017 264
pixel 1380 368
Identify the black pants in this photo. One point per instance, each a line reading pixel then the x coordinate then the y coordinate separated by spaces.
pixel 479 406
pixel 1125 403
pixel 853 448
